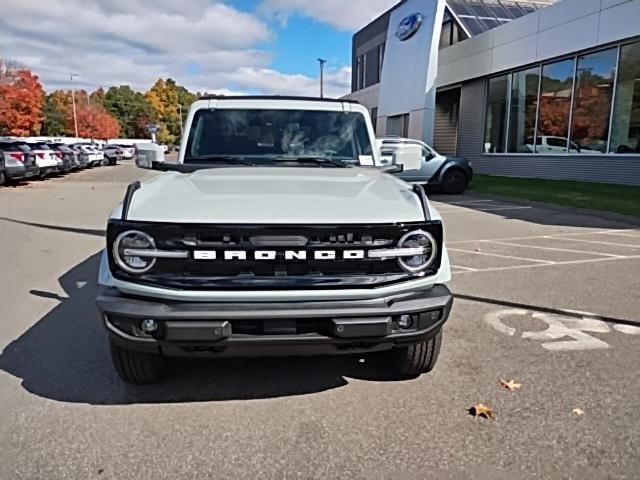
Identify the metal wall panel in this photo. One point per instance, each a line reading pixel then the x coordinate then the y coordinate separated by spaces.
pixel 621 169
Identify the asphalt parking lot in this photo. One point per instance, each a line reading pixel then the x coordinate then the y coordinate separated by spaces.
pixel 548 298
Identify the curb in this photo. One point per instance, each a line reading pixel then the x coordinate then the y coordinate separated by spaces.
pixel 618 217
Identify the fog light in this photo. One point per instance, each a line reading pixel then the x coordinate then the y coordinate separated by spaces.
pixel 149 326
pixel 405 322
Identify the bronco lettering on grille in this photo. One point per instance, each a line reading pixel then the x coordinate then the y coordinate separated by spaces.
pixel 287 255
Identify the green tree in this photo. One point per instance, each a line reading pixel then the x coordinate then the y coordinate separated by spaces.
pixel 97 97
pixel 55 111
pixel 131 109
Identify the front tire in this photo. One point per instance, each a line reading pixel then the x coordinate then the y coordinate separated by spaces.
pixel 137 368
pixel 454 182
pixel 411 361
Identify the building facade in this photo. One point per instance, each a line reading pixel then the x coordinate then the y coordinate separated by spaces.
pixel 521 88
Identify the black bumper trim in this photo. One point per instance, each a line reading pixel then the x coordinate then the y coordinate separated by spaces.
pixel 200 328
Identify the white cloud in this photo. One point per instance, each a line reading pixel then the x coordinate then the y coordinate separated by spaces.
pixel 205 45
pixel 336 82
pixel 348 15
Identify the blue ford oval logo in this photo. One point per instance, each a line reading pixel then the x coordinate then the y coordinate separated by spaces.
pixel 409 26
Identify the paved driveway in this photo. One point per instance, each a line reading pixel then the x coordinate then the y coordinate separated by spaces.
pixel 520 275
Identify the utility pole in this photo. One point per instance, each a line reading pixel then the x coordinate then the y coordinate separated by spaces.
pixel 73 102
pixel 322 62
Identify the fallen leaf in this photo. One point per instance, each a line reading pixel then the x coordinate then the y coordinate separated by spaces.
pixel 477 249
pixel 578 411
pixel 481 410
pixel 510 385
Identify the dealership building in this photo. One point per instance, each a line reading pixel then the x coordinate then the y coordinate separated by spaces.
pixel 536 88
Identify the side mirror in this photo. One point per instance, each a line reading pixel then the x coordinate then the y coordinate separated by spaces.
pixel 409 156
pixel 148 155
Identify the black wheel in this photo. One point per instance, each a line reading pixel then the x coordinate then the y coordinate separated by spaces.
pixel 3 178
pixel 454 182
pixel 137 367
pixel 415 359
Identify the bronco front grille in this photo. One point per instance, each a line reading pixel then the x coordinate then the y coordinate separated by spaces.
pixel 281 271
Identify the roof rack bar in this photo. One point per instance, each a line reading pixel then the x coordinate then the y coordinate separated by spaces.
pixel 128 197
pixel 275 97
pixel 419 190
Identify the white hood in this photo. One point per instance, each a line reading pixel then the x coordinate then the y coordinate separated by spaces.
pixel 276 195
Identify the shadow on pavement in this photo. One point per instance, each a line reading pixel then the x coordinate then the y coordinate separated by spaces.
pixel 82 231
pixel 65 357
pixel 542 215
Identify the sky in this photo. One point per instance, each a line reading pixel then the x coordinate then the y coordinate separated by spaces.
pixel 230 46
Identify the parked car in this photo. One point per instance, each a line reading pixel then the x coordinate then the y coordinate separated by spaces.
pixel 16 165
pixel 95 156
pixel 128 151
pixel 447 173
pixel 285 236
pixel 65 163
pixel 46 162
pixel 83 157
pixel 69 154
pixel 552 145
pixel 113 154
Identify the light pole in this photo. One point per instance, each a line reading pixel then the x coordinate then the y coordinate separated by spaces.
pixel 322 62
pixel 73 102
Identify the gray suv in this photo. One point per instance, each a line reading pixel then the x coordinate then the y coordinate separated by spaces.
pixel 446 173
pixel 278 232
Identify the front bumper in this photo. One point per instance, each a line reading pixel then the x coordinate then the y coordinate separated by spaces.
pixel 275 328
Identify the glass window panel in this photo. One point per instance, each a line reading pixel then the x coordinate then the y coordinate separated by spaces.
pixel 625 128
pixel 524 106
pixel 473 25
pixel 496 115
pixel 555 104
pixel 592 105
pixel 372 67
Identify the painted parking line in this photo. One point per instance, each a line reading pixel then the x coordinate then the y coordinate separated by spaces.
pixel 556 264
pixel 498 255
pixel 465 202
pixel 488 209
pixel 568 239
pixel 554 248
pixel 624 233
pixel 469 269
pixel 538 236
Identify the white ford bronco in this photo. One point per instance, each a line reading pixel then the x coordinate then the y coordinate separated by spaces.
pixel 277 233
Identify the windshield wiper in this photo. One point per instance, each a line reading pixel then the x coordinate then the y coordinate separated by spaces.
pixel 228 159
pixel 311 159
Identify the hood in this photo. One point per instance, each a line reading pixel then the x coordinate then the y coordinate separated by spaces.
pixel 276 195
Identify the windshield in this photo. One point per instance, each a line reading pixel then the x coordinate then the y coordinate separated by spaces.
pixel 270 136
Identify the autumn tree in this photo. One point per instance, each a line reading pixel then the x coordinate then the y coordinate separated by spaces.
pixel 168 100
pixel 96 123
pixel 20 102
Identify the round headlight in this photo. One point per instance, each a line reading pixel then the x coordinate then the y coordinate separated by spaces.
pixel 133 239
pixel 418 263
